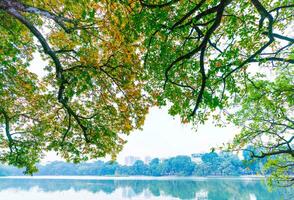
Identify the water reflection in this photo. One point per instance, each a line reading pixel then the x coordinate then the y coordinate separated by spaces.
pixel 215 189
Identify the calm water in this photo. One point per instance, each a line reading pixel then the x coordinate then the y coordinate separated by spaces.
pixel 88 188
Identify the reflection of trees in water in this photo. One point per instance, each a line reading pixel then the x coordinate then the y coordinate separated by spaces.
pixel 183 189
pixel 52 185
pixel 217 189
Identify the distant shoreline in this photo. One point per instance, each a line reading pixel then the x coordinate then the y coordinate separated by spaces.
pixel 247 177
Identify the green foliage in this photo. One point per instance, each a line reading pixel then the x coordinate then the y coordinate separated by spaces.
pixel 109 61
pixel 230 61
pixel 265 117
pixel 92 90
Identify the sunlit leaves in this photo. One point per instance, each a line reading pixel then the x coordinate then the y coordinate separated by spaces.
pixel 84 105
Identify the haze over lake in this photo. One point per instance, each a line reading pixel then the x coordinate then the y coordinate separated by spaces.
pixel 137 188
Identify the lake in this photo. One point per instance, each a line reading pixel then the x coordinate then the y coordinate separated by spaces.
pixel 137 188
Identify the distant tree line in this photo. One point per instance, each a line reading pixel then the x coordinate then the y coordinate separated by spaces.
pixel 210 164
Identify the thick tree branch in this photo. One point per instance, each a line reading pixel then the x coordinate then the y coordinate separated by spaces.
pixel 272 153
pixel 7 128
pixel 58 67
pixel 203 82
pixel 158 5
pixel 220 9
pixel 273 59
pixel 14 4
pixel 264 14
pixel 191 12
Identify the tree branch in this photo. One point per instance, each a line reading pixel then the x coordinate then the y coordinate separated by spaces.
pixel 7 128
pixel 58 67
pixel 158 5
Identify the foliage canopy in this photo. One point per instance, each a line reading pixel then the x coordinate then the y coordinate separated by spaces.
pixel 230 61
pixel 92 92
pixel 109 61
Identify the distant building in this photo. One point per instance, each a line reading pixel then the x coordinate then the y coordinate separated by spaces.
pixel 147 159
pixel 130 160
pixel 196 157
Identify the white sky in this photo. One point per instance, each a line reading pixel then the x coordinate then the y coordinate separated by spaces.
pixel 162 135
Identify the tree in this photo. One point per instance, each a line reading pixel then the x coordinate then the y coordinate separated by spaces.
pixel 155 167
pixel 179 166
pixel 211 162
pixel 92 92
pixel 253 166
pixel 228 61
pixel 108 61
pixel 139 168
pixel 265 116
